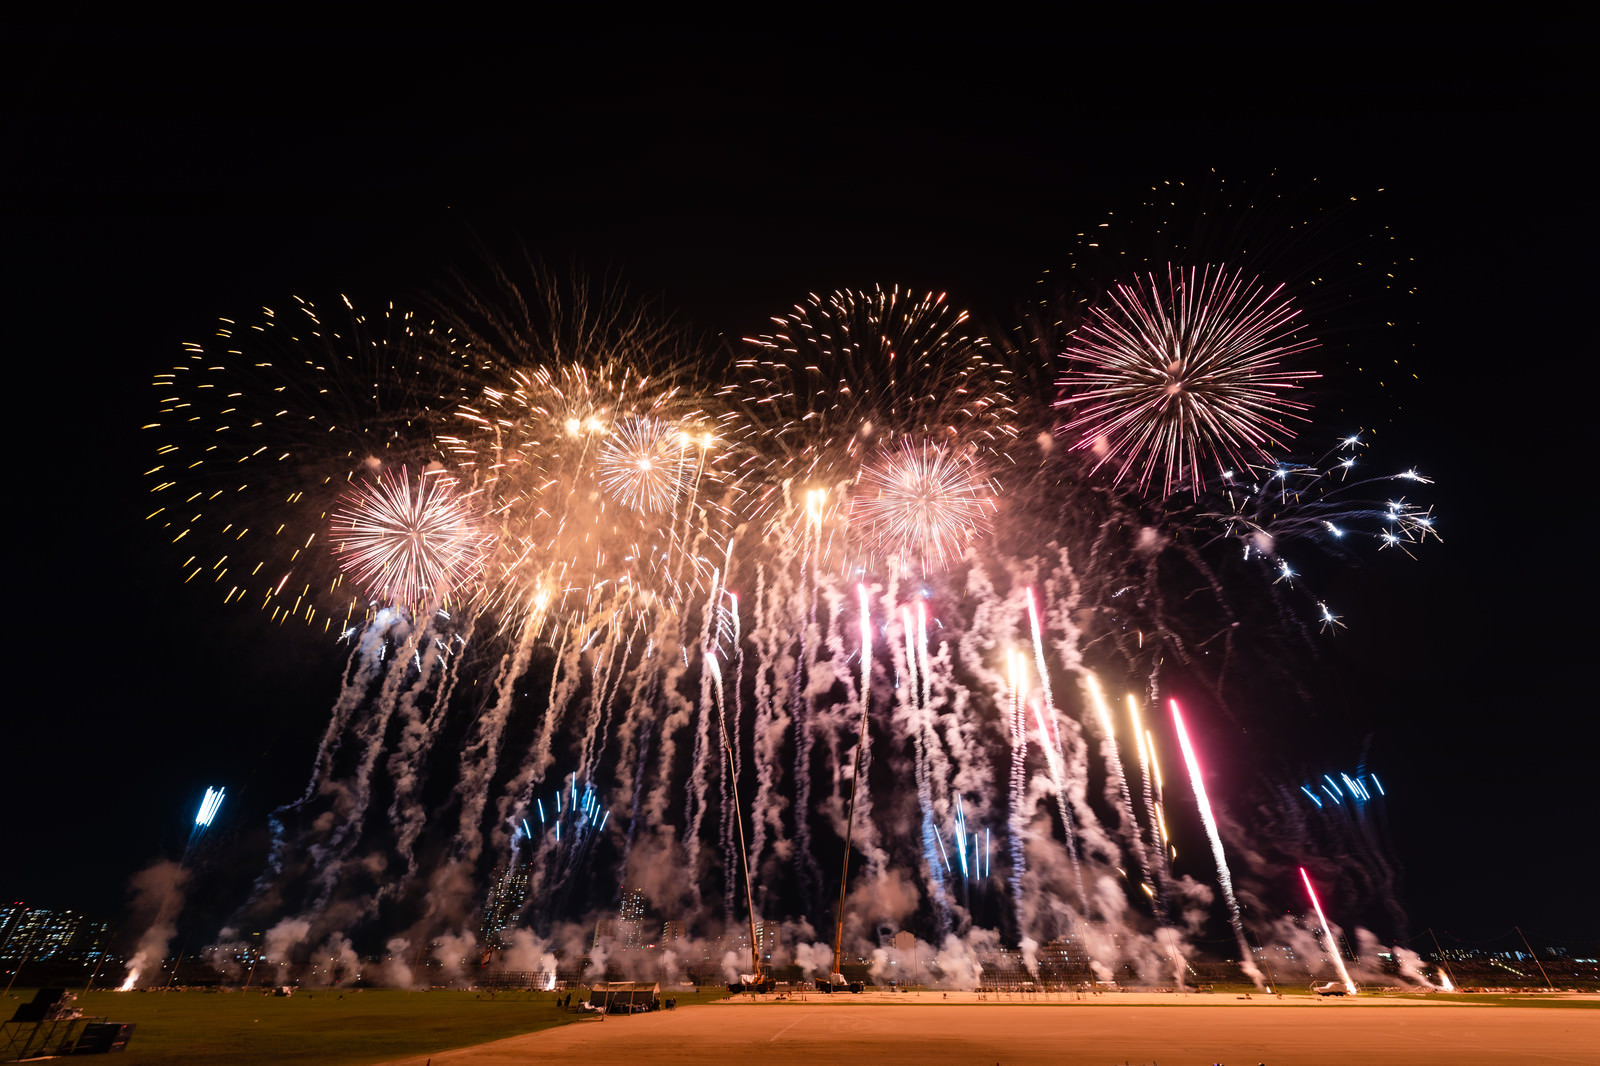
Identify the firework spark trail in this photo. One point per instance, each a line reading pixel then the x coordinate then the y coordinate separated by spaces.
pixel 1017 819
pixel 209 805
pixel 1063 599
pixel 1157 840
pixel 915 717
pixel 1224 876
pixel 609 671
pixel 1118 792
pixel 1050 744
pixel 975 764
pixel 579 639
pixel 1055 762
pixel 770 726
pixel 938 763
pixel 852 712
pixel 1327 931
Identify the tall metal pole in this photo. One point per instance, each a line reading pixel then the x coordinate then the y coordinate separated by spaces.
pixel 1536 961
pixel 1442 960
pixel 738 813
pixel 744 858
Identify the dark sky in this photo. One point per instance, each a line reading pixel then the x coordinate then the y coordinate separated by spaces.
pixel 153 178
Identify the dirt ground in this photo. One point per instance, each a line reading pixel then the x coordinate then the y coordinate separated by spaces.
pixel 1108 1030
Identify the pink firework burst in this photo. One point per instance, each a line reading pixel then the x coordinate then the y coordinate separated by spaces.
pixel 407 541
pixel 1172 372
pixel 923 505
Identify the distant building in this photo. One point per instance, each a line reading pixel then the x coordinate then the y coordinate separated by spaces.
pixel 671 933
pixel 769 935
pixel 1064 960
pixel 36 934
pixel 508 891
pixel 630 920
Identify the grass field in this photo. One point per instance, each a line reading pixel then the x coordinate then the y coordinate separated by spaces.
pixel 318 1027
pixel 347 1027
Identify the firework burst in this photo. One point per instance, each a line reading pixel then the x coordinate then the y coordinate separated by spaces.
pixel 410 543
pixel 558 461
pixel 858 380
pixel 1175 371
pixel 648 463
pixel 1327 502
pixel 263 427
pixel 921 505
pixel 594 485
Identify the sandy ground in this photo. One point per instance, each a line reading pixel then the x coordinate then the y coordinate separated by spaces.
pixel 1170 1029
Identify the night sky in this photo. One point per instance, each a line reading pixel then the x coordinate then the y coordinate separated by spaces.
pixel 154 178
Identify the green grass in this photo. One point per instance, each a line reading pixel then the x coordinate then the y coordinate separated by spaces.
pixel 323 1027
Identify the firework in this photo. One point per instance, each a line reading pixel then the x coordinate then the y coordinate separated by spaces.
pixel 410 543
pixel 921 505
pixel 262 428
pixel 860 378
pixel 1224 876
pixel 1333 948
pixel 578 474
pixel 1172 373
pixel 1328 503
pixel 209 806
pixel 588 476
pixel 648 463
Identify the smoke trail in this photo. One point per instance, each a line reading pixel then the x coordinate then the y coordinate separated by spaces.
pixel 771 726
pixel 331 855
pixel 696 801
pixel 158 893
pixel 807 872
pixel 362 668
pixel 417 734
